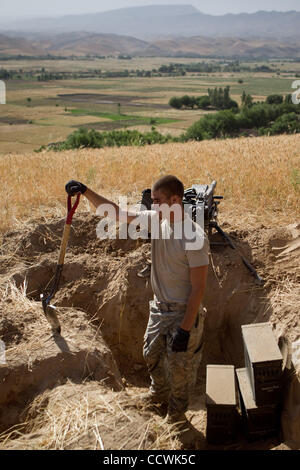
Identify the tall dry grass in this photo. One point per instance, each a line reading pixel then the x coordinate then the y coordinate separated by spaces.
pixel 258 176
pixel 88 417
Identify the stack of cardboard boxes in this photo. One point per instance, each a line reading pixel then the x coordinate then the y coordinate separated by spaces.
pixel 258 387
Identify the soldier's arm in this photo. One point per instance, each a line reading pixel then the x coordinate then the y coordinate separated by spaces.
pixel 106 208
pixel 198 278
pixel 98 200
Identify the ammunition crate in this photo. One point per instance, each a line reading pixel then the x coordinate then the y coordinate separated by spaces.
pixel 221 404
pixel 263 361
pixel 259 421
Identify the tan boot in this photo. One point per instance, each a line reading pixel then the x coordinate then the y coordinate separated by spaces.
pixel 149 398
pixel 178 420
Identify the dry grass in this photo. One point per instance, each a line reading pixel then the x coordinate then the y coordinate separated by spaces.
pixel 285 305
pixel 15 304
pixel 88 416
pixel 254 175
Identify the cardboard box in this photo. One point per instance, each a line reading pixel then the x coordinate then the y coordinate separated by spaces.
pixel 259 421
pixel 221 404
pixel 263 361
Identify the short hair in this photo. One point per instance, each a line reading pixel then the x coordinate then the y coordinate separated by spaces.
pixel 170 186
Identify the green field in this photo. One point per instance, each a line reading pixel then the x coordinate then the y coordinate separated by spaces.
pixel 38 113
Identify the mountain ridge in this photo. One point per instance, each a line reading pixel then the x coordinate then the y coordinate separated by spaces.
pixel 148 22
pixel 84 43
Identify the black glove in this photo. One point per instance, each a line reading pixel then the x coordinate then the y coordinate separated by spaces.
pixel 180 340
pixel 73 187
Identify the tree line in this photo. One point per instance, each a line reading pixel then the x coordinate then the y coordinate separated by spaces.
pixel 272 117
pixel 214 67
pixel 217 98
pixel 277 115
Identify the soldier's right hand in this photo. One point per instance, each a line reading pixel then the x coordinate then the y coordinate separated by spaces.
pixel 73 187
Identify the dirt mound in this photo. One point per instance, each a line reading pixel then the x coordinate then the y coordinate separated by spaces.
pixel 100 277
pixel 278 251
pixel 101 295
pixel 88 416
pixel 36 360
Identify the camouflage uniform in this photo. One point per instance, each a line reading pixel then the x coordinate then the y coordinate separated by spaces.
pixel 173 374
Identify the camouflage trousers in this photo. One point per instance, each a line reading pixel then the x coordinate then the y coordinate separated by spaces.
pixel 173 374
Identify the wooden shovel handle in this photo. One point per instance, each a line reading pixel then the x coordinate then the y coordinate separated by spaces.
pixel 64 243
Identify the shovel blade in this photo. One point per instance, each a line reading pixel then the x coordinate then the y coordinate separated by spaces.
pixel 51 316
pixel 52 319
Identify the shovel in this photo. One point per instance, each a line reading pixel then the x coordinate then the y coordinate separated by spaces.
pixel 49 310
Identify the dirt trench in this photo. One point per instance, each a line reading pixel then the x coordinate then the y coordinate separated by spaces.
pixel 100 278
pixel 103 307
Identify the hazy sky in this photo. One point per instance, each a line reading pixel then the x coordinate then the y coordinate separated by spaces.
pixel 22 8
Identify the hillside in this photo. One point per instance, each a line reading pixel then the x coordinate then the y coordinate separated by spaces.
pixel 181 20
pixel 87 43
pixel 81 390
pixel 223 47
pixel 17 45
pixel 83 43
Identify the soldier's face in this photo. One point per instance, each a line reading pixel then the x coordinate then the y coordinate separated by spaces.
pixel 159 198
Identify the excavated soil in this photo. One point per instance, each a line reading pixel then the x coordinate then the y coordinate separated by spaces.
pixel 102 306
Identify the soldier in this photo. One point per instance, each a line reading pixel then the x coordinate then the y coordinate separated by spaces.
pixel 180 259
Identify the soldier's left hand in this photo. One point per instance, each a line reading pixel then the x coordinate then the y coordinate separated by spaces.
pixel 180 340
